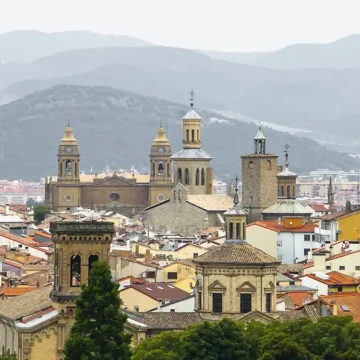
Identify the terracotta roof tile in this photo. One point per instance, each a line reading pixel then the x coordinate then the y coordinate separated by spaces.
pixel 299 298
pixel 16 291
pixel 335 215
pixel 350 300
pixel 275 226
pixel 335 278
pixel 236 254
pixel 346 253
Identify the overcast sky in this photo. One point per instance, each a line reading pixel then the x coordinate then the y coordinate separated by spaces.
pixel 229 25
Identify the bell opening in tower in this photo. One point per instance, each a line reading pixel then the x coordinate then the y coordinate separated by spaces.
pixel 161 168
pixel 75 266
pixel 68 167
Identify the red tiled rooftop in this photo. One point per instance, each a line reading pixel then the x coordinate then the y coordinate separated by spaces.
pixel 275 226
pixel 349 299
pixel 335 278
pixel 319 207
pixel 299 298
pixel 16 291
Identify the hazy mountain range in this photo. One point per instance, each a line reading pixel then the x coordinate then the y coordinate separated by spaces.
pixel 116 128
pixel 310 87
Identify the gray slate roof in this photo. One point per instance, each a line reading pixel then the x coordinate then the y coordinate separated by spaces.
pixel 288 206
pixel 192 115
pixel 286 173
pixel 191 154
pixel 239 253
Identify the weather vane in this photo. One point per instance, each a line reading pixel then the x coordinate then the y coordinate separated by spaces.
pixel 192 94
pixel 286 147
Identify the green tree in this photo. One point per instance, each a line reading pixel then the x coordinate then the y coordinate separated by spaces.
pixel 165 346
pixel 40 212
pixel 98 331
pixel 220 340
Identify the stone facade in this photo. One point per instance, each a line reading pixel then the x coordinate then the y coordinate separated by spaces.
pixel 176 214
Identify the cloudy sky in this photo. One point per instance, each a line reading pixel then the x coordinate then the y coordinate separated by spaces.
pixel 228 25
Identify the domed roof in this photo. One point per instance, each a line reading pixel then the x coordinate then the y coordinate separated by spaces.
pixel 286 173
pixel 161 138
pixel 239 252
pixel 192 115
pixel 68 138
pixel 288 207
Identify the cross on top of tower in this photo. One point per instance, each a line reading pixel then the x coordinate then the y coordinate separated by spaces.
pixel 236 196
pixel 192 94
pixel 286 147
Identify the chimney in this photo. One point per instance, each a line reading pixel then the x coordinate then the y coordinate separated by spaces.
pixel 327 245
pixel 333 308
pixel 159 305
pixel 148 255
pixel 7 209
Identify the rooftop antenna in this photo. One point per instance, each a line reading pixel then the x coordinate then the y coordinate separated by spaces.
pixel 192 94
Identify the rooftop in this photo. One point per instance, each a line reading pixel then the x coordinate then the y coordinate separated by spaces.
pixel 239 253
pixel 166 320
pixel 16 291
pixel 24 305
pixel 334 278
pixel 211 202
pixel 160 290
pixel 192 115
pixel 275 226
pixel 75 227
pixel 288 206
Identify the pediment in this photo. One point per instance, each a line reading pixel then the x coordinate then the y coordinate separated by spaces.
pixel 255 316
pixel 115 180
pixel 217 286
pixel 246 287
pixel 270 285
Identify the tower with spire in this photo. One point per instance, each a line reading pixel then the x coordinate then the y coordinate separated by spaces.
pixel 331 195
pixel 192 164
pixel 160 167
pixel 259 180
pixel 286 179
pixel 68 180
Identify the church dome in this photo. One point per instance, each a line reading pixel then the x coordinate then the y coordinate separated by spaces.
pixel 161 138
pixel 239 252
pixel 68 138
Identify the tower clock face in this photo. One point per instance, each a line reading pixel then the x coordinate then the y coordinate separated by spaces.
pixel 160 198
pixel 69 149
pixel 68 198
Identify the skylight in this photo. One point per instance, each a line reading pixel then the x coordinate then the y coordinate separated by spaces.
pixel 345 307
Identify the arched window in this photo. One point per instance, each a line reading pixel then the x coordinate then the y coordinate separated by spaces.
pixel 179 175
pixel 187 177
pixel 251 165
pixel 75 271
pixel 68 167
pixel 294 193
pixel 269 165
pixel 243 231
pixel 231 231
pixel 197 177
pixel 153 169
pixel 202 177
pixel 168 169
pixel 92 259
pixel 161 168
pixel 279 191
pixel 187 135
pixel 60 168
pixel 76 169
pixel 238 231
pixel 282 190
pixel 192 135
pixel 197 135
pixel 288 192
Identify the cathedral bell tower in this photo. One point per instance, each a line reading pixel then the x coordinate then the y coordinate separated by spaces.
pixel 192 164
pixel 68 182
pixel 77 245
pixel 259 178
pixel 286 180
pixel 160 168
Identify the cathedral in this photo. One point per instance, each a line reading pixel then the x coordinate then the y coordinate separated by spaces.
pixel 132 192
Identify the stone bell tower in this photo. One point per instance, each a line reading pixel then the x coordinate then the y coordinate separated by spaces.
pixel 192 164
pixel 259 178
pixel 160 168
pixel 77 246
pixel 68 183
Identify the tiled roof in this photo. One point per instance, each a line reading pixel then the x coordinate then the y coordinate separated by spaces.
pixel 24 305
pixel 294 268
pixel 275 226
pixel 159 290
pixel 185 245
pixel 16 291
pixel 290 315
pixel 241 253
pixel 335 215
pixel 299 298
pixel 191 115
pixel 88 178
pixel 319 207
pixel 211 202
pixel 350 300
pixel 166 320
pixel 346 253
pixel 335 278
pixel 294 288
pixel 287 206
pixel 133 280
